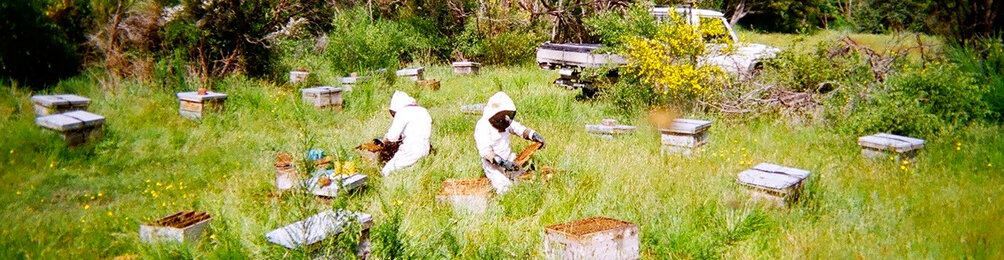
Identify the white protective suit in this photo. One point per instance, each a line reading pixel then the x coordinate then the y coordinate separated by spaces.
pixel 412 126
pixel 491 142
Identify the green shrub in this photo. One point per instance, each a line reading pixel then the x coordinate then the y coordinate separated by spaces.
pixel 612 27
pixel 800 71
pixel 986 65
pixel 505 48
pixel 357 44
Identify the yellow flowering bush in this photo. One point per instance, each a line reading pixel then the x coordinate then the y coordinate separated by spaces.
pixel 669 60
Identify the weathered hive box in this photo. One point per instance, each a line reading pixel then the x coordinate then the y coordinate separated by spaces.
pixel 685 135
pixel 194 106
pixel 328 184
pixel 466 195
pixel 774 183
pixel 414 74
pixel 351 81
pixel 185 226
pixel 57 104
pixel 883 145
pixel 466 67
pixel 285 174
pixel 592 238
pixel 472 109
pixel 609 128
pixel 323 97
pixel 318 227
pixel 298 76
pixel 75 127
pixel 432 84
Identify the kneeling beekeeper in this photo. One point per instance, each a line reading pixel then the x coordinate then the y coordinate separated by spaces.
pixel 412 127
pixel 491 135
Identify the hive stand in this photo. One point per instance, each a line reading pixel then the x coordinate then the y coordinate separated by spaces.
pixel 58 104
pixel 185 226
pixel 314 229
pixel 592 238
pixel 685 136
pixel 466 195
pixel 473 109
pixel 884 145
pixel 773 183
pixel 194 106
pixel 75 127
pixel 609 128
pixel 323 97
pixel 466 68
pixel 298 76
pixel 414 74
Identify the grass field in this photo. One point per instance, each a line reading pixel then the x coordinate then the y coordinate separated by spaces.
pixel 87 201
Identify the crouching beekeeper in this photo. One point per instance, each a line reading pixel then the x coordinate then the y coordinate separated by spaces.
pixel 491 135
pixel 412 127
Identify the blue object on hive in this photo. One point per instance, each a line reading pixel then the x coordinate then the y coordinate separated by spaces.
pixel 315 154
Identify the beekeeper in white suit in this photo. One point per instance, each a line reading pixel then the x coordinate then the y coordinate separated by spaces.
pixel 491 135
pixel 412 126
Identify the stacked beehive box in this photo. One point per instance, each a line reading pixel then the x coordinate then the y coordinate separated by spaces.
pixel 466 67
pixel 466 195
pixel 609 128
pixel 592 238
pixel 185 226
pixel 194 106
pixel 773 183
pixel 323 97
pixel 413 74
pixel 298 76
pixel 885 145
pixel 473 109
pixel 685 136
pixel 75 127
pixel 57 104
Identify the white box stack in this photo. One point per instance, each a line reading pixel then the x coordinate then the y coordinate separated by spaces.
pixel 57 104
pixel 592 238
pixel 194 106
pixel 185 226
pixel 414 74
pixel 323 97
pixel 466 67
pixel 776 184
pixel 685 136
pixel 884 145
pixel 75 127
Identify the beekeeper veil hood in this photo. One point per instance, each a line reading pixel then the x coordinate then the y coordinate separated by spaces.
pixel 499 111
pixel 400 100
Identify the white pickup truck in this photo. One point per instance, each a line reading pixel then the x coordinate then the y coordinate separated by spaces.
pixel 744 59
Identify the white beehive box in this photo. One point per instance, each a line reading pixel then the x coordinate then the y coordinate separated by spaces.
pixel 883 145
pixel 473 109
pixel 194 106
pixel 323 97
pixel 466 67
pixel 466 195
pixel 57 104
pixel 414 74
pixel 774 183
pixel 185 226
pixel 348 182
pixel 685 135
pixel 318 227
pixel 609 128
pixel 75 127
pixel 298 76
pixel 592 238
pixel 349 82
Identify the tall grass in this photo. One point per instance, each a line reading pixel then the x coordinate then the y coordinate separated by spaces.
pixel 946 205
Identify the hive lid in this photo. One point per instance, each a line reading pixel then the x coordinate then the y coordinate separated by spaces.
pixel 321 90
pixel 773 177
pixel 316 228
pixel 60 99
pixel 194 96
pixel 883 141
pixel 465 64
pixel 70 121
pixel 410 71
pixel 687 126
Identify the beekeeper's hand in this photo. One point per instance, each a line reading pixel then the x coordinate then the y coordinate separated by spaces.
pixel 538 138
pixel 506 164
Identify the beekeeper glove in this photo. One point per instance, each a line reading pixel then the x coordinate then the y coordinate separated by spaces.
pixel 506 164
pixel 538 138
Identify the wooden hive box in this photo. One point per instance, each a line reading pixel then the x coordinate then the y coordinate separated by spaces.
pixel 432 84
pixel 348 82
pixel 773 183
pixel 609 128
pixel 466 67
pixel 334 183
pixel 194 106
pixel 75 127
pixel 473 109
pixel 185 226
pixel 298 76
pixel 58 104
pixel 316 228
pixel 883 145
pixel 285 173
pixel 323 97
pixel 592 238
pixel 414 74
pixel 685 136
pixel 466 195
